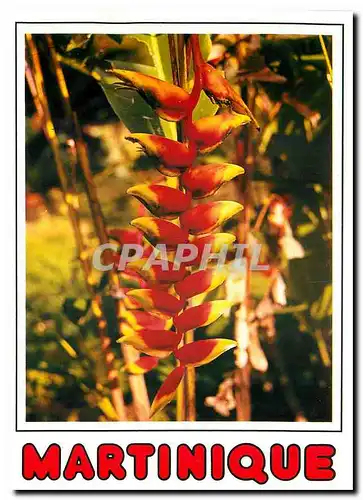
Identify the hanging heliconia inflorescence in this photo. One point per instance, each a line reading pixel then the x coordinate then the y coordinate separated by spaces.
pixel 157 313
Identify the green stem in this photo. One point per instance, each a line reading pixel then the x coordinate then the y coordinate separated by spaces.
pixel 327 61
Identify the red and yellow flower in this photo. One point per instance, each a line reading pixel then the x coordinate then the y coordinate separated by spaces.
pixel 156 316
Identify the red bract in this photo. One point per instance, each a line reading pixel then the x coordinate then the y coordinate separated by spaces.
pixel 217 87
pixel 159 343
pixel 199 282
pixel 170 102
pixel 126 236
pixel 157 301
pixel 161 231
pixel 161 272
pixel 213 243
pixel 142 319
pixel 202 352
pixel 209 132
pixel 130 279
pixel 205 218
pixel 202 315
pixel 167 390
pixel 174 157
pixel 162 201
pixel 205 180
pixel 142 365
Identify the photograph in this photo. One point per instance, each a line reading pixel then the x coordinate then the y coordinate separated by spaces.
pixel 179 227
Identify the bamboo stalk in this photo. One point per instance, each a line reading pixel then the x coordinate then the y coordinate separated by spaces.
pixel 137 382
pixel 262 214
pixel 242 377
pixel 327 61
pixel 36 86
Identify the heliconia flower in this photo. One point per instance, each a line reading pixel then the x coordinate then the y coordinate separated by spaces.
pixel 199 282
pixel 202 315
pixel 159 343
pixel 141 366
pixel 219 91
pixel 131 303
pixel 147 249
pixel 216 86
pixel 202 352
pixel 174 156
pixel 142 319
pixel 205 180
pixel 125 328
pixel 161 231
pixel 209 132
pixel 159 302
pixel 162 201
pixel 130 279
pixel 216 241
pixel 205 218
pixel 159 273
pixel 167 390
pixel 170 102
pixel 126 236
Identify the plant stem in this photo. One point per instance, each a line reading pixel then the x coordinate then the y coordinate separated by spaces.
pixel 327 61
pixel 180 393
pixel 243 375
pixel 190 382
pixel 186 391
pixel 137 382
pixel 262 214
pixel 41 102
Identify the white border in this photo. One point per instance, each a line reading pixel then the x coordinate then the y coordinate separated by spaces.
pixel 343 461
pixel 336 32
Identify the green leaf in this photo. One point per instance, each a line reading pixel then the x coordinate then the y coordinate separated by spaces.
pixel 322 307
pixel 204 107
pixel 129 106
pixel 205 44
pixel 78 42
pixel 107 408
pixel 68 348
pixel 218 327
pixel 292 309
pixel 158 46
pixel 305 229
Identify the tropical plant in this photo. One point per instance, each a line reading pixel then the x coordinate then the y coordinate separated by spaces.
pixel 180 98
